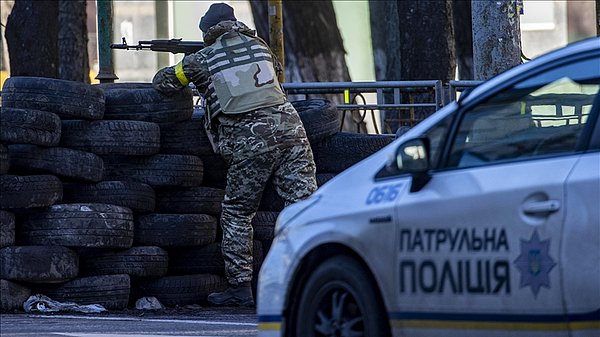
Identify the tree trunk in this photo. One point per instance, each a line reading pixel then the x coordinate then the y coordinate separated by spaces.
pixel 72 41
pixel 421 48
pixel 385 39
pixel 496 37
pixel 313 45
pixel 597 17
pixel 463 35
pixel 31 35
pixel 427 40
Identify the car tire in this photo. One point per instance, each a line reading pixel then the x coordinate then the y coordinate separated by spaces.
pixel 207 259
pixel 45 264
pixel 12 295
pixel 63 162
pixel 339 282
pixel 175 230
pixel 339 152
pixel 138 197
pixel 7 229
pixel 26 126
pixel 110 291
pixel 263 224
pixel 68 99
pixel 112 137
pixel 160 170
pixel 215 171
pixel 29 191
pixel 4 159
pixel 188 137
pixel 78 225
pixel 181 290
pixel 141 262
pixel 195 200
pixel 141 102
pixel 320 118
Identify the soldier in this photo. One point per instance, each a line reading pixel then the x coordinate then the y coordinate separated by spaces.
pixel 257 131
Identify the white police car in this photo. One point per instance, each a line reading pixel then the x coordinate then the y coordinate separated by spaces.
pixel 484 219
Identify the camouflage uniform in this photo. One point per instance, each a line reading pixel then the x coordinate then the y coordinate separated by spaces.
pixel 266 141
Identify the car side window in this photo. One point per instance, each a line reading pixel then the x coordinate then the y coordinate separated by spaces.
pixel 542 115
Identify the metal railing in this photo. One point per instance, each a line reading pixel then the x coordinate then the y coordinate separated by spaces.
pixel 395 103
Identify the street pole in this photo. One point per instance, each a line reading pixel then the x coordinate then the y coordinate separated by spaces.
pixel 276 34
pixel 106 72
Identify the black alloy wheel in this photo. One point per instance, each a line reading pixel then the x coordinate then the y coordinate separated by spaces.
pixel 339 300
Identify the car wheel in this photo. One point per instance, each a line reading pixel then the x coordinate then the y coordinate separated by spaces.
pixel 339 299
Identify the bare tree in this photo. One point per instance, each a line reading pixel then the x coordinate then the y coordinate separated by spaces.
pixel 463 37
pixel 496 37
pixel 385 39
pixel 72 41
pixel 48 38
pixel 420 47
pixel 31 35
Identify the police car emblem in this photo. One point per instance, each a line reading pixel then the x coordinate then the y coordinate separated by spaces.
pixel 535 263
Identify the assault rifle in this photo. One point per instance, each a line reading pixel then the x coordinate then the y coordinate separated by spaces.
pixel 174 46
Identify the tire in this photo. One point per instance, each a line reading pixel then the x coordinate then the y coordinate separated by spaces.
pixel 339 283
pixel 263 224
pixel 46 264
pixel 26 126
pixel 29 191
pixel 4 159
pixel 183 290
pixel 12 295
pixel 78 225
pixel 343 150
pixel 63 162
pixel 161 170
pixel 207 259
pixel 67 99
pixel 141 102
pixel 196 200
pixel 138 197
pixel 147 261
pixel 111 137
pixel 215 171
pixel 7 229
pixel 188 137
pixel 320 118
pixel 175 230
pixel 110 291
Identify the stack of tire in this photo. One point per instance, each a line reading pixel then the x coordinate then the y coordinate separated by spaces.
pixel 112 192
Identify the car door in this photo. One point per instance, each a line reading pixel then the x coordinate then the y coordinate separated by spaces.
pixel 479 246
pixel 581 241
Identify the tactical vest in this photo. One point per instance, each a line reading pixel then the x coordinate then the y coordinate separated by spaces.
pixel 242 75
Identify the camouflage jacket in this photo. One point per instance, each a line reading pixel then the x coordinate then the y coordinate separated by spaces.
pixel 218 73
pixel 258 130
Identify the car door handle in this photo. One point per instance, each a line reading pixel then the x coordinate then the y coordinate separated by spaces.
pixel 536 207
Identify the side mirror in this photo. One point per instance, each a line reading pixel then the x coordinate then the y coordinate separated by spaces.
pixel 413 157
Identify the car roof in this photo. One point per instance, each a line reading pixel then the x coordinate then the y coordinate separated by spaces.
pixel 583 46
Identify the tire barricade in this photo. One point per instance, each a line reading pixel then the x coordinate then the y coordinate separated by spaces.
pixel 111 192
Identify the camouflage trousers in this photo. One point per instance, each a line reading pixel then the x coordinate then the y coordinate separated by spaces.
pixel 267 143
pixel 292 171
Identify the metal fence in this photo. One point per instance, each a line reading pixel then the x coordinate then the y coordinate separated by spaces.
pixel 383 106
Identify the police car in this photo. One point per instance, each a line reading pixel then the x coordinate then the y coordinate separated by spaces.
pixel 483 220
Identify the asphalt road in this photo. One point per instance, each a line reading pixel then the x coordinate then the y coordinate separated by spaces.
pixel 185 322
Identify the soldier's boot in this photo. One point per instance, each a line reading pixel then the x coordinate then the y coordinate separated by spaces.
pixel 240 295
